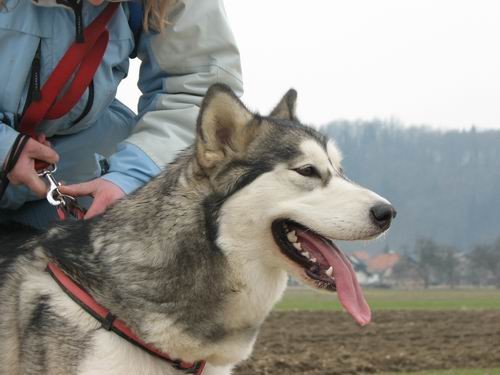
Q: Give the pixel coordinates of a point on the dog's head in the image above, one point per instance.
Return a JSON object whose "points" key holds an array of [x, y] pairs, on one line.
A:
{"points": [[280, 195]]}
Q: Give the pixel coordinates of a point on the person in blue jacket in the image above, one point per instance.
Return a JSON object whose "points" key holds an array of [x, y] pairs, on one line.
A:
{"points": [[184, 47]]}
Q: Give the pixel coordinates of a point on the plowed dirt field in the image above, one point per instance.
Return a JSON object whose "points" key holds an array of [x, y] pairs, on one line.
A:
{"points": [[322, 343]]}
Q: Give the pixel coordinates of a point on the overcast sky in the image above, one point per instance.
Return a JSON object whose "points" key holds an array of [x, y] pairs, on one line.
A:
{"points": [[434, 62]]}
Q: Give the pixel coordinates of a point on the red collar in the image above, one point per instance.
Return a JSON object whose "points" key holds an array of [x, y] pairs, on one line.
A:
{"points": [[112, 323]]}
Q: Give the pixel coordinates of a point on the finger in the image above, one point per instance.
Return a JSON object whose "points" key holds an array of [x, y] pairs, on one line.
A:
{"points": [[41, 138], [42, 152], [47, 143], [78, 190], [36, 185], [97, 207]]}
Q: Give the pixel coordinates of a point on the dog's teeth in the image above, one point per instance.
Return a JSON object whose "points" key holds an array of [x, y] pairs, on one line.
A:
{"points": [[297, 245], [291, 236], [313, 260], [306, 254], [329, 271]]}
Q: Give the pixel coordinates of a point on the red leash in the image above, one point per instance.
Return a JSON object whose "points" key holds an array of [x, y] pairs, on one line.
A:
{"points": [[82, 61]]}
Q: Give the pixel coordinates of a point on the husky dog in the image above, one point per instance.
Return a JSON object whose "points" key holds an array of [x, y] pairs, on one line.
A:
{"points": [[195, 260]]}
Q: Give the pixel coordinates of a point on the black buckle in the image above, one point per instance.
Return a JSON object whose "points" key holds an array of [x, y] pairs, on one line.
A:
{"points": [[107, 323]]}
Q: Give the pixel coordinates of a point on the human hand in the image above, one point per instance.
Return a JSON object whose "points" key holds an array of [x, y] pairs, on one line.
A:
{"points": [[104, 192], [24, 172]]}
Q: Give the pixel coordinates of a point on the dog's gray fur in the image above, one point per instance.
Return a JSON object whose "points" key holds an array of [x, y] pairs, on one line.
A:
{"points": [[154, 256]]}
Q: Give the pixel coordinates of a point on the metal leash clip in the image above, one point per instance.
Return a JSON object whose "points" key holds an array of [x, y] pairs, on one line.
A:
{"points": [[65, 204], [54, 196]]}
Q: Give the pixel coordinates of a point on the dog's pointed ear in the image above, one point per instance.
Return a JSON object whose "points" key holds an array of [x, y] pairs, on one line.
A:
{"points": [[225, 127], [286, 107]]}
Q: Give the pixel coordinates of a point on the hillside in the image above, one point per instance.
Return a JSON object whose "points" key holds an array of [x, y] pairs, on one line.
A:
{"points": [[444, 185]]}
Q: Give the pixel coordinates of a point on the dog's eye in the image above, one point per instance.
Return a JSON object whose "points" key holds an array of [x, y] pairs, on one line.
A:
{"points": [[307, 171]]}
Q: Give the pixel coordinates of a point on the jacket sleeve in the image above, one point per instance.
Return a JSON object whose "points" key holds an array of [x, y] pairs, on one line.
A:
{"points": [[196, 50], [7, 136]]}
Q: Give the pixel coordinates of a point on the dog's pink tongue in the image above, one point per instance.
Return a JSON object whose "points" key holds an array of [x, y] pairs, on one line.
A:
{"points": [[348, 289]]}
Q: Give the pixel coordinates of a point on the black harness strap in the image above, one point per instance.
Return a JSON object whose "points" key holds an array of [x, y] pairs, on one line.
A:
{"points": [[14, 154]]}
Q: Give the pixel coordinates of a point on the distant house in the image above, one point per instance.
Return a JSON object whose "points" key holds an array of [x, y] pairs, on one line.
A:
{"points": [[381, 270], [361, 255], [382, 265], [359, 263]]}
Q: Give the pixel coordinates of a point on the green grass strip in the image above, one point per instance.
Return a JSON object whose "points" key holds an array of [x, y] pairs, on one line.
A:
{"points": [[492, 371], [388, 299]]}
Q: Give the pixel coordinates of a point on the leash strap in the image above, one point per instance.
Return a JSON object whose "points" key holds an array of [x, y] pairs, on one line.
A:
{"points": [[111, 323], [14, 154], [82, 60]]}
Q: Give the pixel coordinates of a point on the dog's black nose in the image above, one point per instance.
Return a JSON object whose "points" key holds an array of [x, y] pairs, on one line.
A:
{"points": [[382, 214]]}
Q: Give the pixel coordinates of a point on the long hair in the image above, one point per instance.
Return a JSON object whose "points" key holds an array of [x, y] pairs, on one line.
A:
{"points": [[155, 13]]}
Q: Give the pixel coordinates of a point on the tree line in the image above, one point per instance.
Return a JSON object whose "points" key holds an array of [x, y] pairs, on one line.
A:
{"points": [[434, 264], [445, 185]]}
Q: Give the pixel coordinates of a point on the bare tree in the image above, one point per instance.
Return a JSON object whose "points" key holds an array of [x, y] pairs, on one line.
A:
{"points": [[450, 266], [484, 261], [429, 260]]}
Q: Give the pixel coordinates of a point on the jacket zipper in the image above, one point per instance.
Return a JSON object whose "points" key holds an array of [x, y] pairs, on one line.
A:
{"points": [[34, 94], [35, 74], [77, 6]]}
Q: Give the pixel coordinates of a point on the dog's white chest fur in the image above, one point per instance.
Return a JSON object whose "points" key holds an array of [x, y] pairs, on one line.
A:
{"points": [[112, 355]]}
